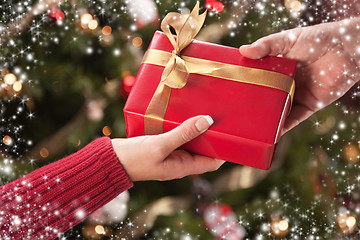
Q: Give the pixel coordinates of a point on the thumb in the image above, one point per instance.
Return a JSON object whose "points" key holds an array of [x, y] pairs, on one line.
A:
{"points": [[184, 133], [273, 45]]}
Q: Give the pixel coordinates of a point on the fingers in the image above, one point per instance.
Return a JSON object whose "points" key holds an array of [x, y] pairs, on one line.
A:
{"points": [[270, 45], [184, 133], [275, 44], [181, 163], [255, 51]]}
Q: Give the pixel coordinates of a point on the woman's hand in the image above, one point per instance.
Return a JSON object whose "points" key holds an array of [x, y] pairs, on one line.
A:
{"points": [[328, 63], [156, 158]]}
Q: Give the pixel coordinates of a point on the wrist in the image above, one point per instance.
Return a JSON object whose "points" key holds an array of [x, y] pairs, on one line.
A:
{"points": [[130, 156], [117, 146], [116, 142]]}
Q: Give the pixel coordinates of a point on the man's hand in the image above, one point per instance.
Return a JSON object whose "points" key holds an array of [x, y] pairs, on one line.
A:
{"points": [[327, 65]]}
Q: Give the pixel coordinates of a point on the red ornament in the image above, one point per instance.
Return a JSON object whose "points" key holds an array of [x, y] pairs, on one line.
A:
{"points": [[214, 5], [57, 14], [53, 12], [209, 3], [218, 6], [60, 16], [128, 83], [126, 86]]}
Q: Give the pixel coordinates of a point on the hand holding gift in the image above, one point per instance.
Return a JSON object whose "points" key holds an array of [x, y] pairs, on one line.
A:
{"points": [[328, 57], [156, 158]]}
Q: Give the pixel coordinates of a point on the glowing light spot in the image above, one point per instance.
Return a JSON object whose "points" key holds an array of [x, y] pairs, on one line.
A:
{"points": [[351, 153], [80, 213], [350, 222], [99, 229], [293, 5], [17, 220], [85, 19], [117, 52], [10, 78], [296, 6], [137, 42], [17, 86], [7, 140], [93, 24], [283, 225], [279, 227], [44, 152], [89, 50], [7, 170], [292, 36], [106, 30], [346, 223], [319, 104], [106, 131]]}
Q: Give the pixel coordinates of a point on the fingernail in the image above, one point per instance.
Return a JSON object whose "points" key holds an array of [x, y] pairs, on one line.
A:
{"points": [[244, 46], [204, 123], [220, 162]]}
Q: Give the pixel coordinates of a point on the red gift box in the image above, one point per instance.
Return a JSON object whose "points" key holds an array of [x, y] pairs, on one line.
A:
{"points": [[248, 117]]}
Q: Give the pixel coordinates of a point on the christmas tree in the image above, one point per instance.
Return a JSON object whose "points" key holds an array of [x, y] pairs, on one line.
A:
{"points": [[67, 67]]}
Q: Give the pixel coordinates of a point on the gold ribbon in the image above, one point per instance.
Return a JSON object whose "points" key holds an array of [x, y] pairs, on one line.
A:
{"points": [[177, 68]]}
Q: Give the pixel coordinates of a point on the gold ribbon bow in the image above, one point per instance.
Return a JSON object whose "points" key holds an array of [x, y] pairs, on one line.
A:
{"points": [[176, 73], [178, 68]]}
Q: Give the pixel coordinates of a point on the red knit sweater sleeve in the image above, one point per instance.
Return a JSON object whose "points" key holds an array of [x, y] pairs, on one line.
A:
{"points": [[52, 199]]}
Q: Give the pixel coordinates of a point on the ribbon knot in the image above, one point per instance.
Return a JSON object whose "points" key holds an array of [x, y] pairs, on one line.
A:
{"points": [[176, 73]]}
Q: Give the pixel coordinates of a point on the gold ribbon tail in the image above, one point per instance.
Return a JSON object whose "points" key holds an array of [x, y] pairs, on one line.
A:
{"points": [[155, 113]]}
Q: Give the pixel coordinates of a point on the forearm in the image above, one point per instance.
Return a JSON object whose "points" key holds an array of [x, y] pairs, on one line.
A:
{"points": [[344, 39], [56, 197], [341, 9], [318, 11]]}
